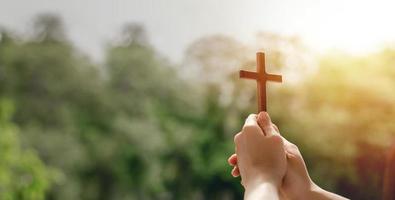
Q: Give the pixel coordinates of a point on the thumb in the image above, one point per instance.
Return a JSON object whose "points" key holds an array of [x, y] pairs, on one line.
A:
{"points": [[265, 123]]}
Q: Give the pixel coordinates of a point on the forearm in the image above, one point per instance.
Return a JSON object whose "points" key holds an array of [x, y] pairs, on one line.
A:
{"points": [[264, 190], [320, 194]]}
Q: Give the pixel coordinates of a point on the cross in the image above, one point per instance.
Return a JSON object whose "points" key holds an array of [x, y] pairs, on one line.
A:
{"points": [[261, 77]]}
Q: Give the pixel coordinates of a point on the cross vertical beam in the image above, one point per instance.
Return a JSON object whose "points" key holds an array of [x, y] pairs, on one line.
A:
{"points": [[261, 78], [261, 81]]}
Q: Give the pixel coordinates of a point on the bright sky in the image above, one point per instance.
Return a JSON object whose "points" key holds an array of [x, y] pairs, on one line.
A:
{"points": [[354, 26]]}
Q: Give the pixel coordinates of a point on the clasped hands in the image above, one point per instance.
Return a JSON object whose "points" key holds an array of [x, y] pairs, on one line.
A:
{"points": [[270, 166]]}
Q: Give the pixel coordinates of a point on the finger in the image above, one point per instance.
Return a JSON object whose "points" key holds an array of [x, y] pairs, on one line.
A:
{"points": [[286, 142], [251, 126], [236, 138], [276, 128], [235, 171], [290, 147], [251, 120], [265, 123], [232, 160]]}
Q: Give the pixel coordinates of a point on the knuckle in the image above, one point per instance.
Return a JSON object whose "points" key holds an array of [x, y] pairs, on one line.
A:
{"points": [[275, 127], [277, 139], [237, 138], [252, 116], [293, 147]]}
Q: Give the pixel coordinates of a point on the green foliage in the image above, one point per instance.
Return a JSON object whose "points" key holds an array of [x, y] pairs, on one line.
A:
{"points": [[139, 127], [22, 174]]}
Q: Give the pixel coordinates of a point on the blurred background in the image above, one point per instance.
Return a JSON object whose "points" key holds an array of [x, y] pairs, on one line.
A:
{"points": [[141, 99]]}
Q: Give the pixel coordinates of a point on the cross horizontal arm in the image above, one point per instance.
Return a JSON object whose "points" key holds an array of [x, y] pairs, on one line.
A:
{"points": [[275, 78], [248, 74]]}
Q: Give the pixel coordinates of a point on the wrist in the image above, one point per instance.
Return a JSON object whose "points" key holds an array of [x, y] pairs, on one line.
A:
{"points": [[260, 189], [321, 194], [258, 179], [314, 192], [309, 191]]}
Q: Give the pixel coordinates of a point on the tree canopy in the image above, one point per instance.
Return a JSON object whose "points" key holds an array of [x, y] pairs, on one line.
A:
{"points": [[140, 127]]}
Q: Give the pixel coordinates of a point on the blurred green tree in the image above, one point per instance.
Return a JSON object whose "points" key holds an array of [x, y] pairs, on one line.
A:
{"points": [[22, 174], [140, 127]]}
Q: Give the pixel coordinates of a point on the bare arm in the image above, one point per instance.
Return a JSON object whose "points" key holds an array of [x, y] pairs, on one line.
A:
{"points": [[296, 183], [320, 194], [261, 161], [264, 190]]}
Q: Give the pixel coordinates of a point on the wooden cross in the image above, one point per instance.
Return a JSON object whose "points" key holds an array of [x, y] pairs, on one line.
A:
{"points": [[261, 77]]}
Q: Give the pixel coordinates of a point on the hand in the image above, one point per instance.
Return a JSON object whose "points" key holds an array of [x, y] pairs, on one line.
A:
{"points": [[297, 183], [261, 157]]}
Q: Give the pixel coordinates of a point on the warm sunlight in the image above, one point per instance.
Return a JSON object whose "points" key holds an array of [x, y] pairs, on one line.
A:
{"points": [[148, 99], [353, 26]]}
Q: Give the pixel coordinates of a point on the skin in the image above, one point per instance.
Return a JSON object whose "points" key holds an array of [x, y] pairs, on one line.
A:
{"points": [[261, 175], [295, 183]]}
